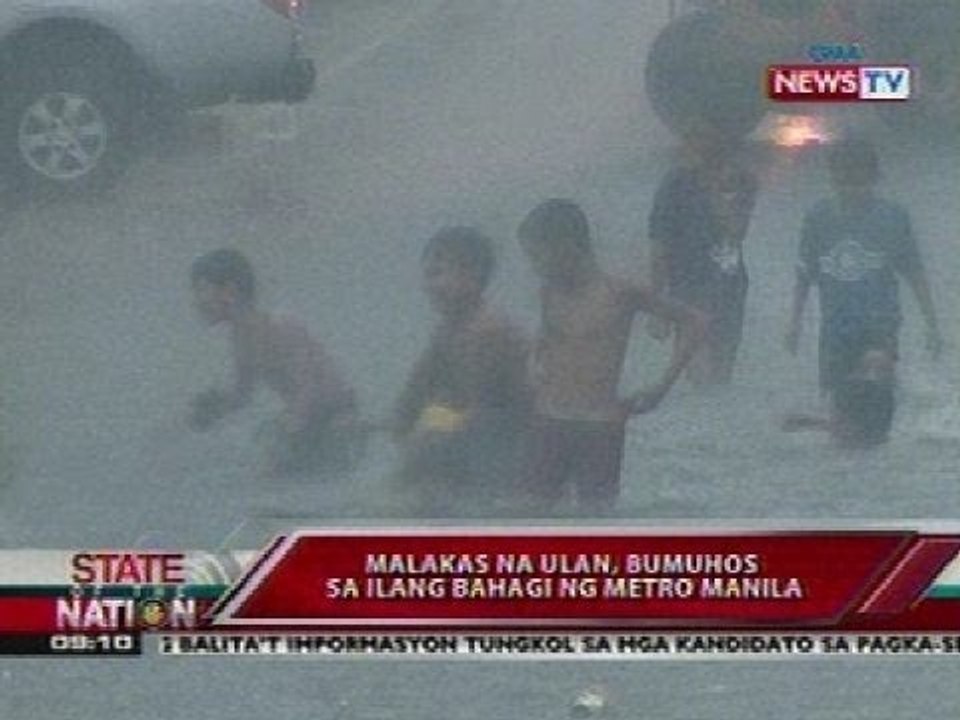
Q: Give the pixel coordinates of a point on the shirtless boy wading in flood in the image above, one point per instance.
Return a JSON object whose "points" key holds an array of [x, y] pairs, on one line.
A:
{"points": [[586, 321], [313, 433]]}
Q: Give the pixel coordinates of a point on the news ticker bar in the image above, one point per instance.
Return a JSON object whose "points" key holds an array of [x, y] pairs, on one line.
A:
{"points": [[566, 645], [534, 646]]}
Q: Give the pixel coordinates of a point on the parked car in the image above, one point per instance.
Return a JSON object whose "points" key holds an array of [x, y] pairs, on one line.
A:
{"points": [[82, 80]]}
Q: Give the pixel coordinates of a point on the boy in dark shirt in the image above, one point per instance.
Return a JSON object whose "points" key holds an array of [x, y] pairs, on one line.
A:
{"points": [[697, 226], [463, 410], [854, 246]]}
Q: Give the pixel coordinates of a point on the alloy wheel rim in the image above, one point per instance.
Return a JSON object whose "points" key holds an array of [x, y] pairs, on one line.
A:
{"points": [[62, 135]]}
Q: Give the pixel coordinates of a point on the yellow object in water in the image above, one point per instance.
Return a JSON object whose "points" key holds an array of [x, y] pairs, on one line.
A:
{"points": [[441, 418]]}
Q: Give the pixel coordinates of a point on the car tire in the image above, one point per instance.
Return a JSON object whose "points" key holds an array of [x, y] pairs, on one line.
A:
{"points": [[934, 109], [696, 77], [66, 127], [923, 35]]}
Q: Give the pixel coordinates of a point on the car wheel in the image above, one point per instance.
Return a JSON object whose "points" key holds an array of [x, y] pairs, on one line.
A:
{"points": [[66, 128], [923, 35], [696, 76], [934, 108]]}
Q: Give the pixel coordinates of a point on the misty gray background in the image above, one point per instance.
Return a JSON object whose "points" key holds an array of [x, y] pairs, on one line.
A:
{"points": [[431, 112]]}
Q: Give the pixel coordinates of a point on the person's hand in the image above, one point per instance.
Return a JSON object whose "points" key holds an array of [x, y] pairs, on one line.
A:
{"points": [[421, 442], [205, 409], [791, 340], [276, 448], [797, 422], [934, 342], [658, 328], [642, 401]]}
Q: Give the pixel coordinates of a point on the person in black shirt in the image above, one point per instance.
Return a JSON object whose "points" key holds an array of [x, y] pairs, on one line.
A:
{"points": [[699, 220]]}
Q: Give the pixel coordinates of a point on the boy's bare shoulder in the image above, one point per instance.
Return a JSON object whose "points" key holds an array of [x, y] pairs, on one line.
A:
{"points": [[495, 326], [625, 290], [290, 332]]}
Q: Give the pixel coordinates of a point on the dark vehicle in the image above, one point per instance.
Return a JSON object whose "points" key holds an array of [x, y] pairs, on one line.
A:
{"points": [[706, 66]]}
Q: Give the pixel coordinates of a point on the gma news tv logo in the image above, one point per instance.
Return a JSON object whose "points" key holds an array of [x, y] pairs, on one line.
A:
{"points": [[838, 83]]}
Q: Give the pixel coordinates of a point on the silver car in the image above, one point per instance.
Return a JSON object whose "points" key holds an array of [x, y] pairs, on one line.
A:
{"points": [[81, 80]]}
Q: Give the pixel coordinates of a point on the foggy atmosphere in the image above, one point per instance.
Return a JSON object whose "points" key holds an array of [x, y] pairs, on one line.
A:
{"points": [[427, 114]]}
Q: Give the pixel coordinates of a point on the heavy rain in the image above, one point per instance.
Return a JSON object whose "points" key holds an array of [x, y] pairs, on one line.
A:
{"points": [[428, 114]]}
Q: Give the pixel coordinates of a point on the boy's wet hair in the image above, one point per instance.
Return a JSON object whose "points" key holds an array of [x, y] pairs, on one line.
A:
{"points": [[854, 159], [226, 267], [466, 247], [557, 220]]}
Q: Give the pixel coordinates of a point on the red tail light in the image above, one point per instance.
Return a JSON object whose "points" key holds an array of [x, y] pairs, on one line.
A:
{"points": [[292, 9]]}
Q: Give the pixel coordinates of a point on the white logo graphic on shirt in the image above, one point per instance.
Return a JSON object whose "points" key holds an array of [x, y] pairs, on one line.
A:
{"points": [[849, 261], [727, 257]]}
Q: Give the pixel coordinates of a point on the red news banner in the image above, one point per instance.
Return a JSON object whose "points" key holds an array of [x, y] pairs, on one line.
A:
{"points": [[597, 579]]}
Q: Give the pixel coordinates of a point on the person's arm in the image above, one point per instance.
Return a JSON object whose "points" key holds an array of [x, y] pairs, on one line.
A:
{"points": [[658, 282], [659, 272], [751, 189], [691, 327], [799, 422], [917, 280], [304, 375], [212, 405], [414, 396], [913, 271], [806, 272], [534, 367], [801, 289], [513, 360], [661, 227], [244, 381], [911, 267]]}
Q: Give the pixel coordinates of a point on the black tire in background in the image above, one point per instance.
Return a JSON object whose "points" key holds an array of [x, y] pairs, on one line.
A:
{"points": [[67, 121], [926, 35], [698, 76]]}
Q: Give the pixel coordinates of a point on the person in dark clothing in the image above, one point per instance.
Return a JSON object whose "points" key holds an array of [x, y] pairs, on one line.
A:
{"points": [[697, 226]]}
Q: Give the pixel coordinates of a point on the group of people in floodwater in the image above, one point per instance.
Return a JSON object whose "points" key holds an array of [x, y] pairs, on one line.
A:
{"points": [[487, 416]]}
